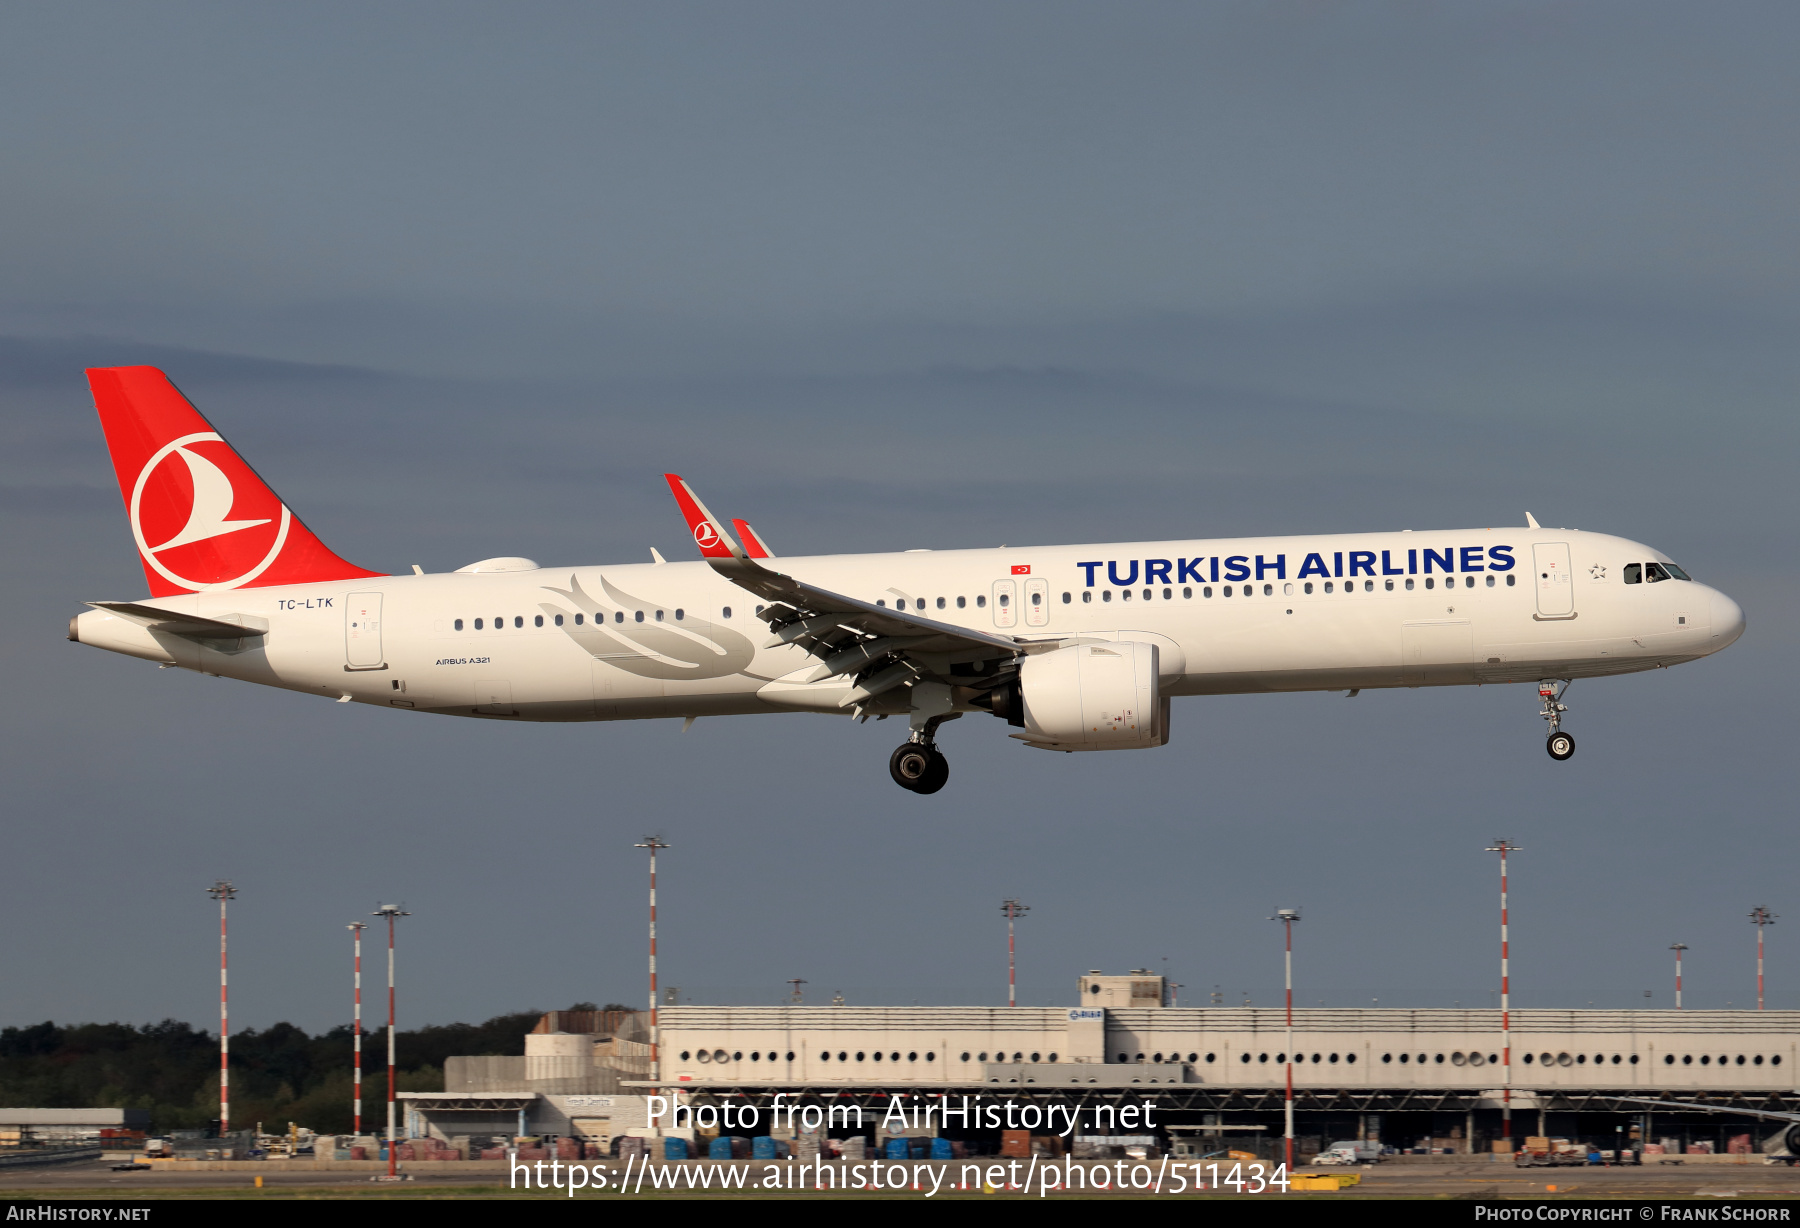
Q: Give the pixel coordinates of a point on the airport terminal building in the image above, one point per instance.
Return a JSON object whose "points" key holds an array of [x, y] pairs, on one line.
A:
{"points": [[1416, 1079]]}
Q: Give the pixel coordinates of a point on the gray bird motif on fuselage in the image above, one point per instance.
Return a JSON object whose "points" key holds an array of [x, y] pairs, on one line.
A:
{"points": [[689, 648]]}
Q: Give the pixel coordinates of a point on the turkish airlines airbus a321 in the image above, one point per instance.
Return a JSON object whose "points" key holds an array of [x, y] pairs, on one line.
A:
{"points": [[1075, 647]]}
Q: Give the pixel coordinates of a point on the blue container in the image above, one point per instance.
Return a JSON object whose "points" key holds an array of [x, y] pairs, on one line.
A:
{"points": [[762, 1147], [675, 1149], [941, 1149], [897, 1149], [719, 1148]]}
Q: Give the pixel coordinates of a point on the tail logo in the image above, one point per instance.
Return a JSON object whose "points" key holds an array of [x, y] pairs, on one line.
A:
{"points": [[705, 536], [192, 502]]}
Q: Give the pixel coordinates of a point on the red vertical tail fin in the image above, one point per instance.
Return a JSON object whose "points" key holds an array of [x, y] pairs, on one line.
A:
{"points": [[202, 518]]}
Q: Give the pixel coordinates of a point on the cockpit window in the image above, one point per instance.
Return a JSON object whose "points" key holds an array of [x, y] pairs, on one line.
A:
{"points": [[1634, 573], [1653, 572], [1678, 573]]}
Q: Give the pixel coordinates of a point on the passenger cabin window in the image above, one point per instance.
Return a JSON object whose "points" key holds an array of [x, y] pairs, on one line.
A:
{"points": [[1634, 573], [519, 620], [578, 619], [538, 621], [478, 624], [459, 624], [559, 620], [980, 602], [962, 602]]}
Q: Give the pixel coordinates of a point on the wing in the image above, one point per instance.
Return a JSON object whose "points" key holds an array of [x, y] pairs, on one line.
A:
{"points": [[881, 648]]}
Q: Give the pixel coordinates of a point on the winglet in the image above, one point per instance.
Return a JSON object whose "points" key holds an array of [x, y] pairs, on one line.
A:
{"points": [[709, 534], [1531, 521], [754, 545]]}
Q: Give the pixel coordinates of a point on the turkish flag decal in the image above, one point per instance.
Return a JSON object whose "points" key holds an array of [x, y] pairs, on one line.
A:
{"points": [[1022, 569]]}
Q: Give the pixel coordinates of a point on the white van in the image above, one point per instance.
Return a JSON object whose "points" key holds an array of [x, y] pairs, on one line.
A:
{"points": [[1349, 1151]]}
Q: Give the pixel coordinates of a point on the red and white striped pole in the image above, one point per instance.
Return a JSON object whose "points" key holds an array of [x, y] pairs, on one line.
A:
{"points": [[653, 843], [223, 891], [1287, 917], [391, 912], [1760, 917], [1013, 910], [356, 928], [1678, 948], [1502, 847]]}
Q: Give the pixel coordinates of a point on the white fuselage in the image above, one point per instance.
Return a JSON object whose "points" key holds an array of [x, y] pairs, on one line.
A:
{"points": [[676, 639]]}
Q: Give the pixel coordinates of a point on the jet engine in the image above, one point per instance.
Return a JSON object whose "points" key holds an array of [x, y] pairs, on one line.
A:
{"points": [[1091, 696]]}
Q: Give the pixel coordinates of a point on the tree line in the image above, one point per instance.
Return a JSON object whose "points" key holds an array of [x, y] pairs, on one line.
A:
{"points": [[278, 1074]]}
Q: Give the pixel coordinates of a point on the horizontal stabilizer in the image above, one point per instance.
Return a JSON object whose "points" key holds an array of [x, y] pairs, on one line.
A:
{"points": [[189, 626]]}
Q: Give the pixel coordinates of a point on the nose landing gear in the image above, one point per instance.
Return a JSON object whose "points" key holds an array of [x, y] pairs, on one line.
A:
{"points": [[1560, 745]]}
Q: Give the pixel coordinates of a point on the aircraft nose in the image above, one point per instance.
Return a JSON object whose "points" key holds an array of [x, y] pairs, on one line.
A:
{"points": [[1727, 620]]}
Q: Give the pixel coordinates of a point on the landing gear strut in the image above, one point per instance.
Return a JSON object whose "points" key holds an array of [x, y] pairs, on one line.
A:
{"points": [[1560, 745], [918, 764]]}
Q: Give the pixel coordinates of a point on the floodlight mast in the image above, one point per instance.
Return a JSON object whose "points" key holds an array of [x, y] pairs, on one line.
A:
{"points": [[392, 912], [1760, 917], [1503, 847], [653, 843], [223, 891], [1013, 910], [1287, 917]]}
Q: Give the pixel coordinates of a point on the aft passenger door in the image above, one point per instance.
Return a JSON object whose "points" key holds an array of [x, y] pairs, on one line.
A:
{"points": [[362, 632], [1555, 580]]}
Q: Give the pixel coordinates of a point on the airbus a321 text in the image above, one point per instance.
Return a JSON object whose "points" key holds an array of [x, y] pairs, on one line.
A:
{"points": [[1074, 647]]}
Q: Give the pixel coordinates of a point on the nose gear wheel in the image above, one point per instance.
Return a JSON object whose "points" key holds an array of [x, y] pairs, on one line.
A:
{"points": [[1560, 745]]}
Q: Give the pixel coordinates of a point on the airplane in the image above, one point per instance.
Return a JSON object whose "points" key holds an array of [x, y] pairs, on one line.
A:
{"points": [[1076, 648]]}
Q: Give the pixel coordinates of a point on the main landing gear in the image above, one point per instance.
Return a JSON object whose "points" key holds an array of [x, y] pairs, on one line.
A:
{"points": [[1560, 745], [919, 766]]}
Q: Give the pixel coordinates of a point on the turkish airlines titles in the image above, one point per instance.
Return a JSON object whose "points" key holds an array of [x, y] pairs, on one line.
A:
{"points": [[1211, 570]]}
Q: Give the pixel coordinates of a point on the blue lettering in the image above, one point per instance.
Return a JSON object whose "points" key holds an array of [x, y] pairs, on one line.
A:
{"points": [[1237, 567], [1412, 562], [1471, 559], [1090, 572], [328, 603], [1215, 569], [1112, 573], [1156, 571], [1337, 563], [1279, 567], [1362, 562], [1190, 570], [1387, 568], [1314, 566], [1446, 560], [1500, 558]]}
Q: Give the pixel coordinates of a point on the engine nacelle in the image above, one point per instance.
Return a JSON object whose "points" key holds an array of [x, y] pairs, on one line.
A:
{"points": [[1093, 697]]}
